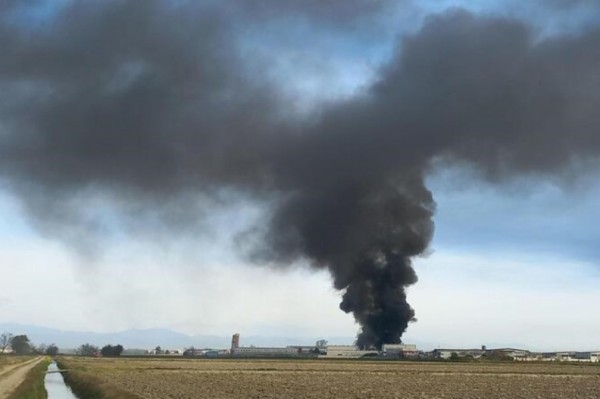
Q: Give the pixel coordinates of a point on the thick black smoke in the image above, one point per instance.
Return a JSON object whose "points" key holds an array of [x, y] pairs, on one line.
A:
{"points": [[158, 106]]}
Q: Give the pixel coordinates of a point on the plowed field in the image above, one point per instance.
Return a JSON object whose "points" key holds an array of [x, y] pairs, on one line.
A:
{"points": [[219, 379]]}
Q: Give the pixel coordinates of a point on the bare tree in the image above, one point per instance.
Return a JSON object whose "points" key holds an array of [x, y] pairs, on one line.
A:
{"points": [[88, 350], [5, 339]]}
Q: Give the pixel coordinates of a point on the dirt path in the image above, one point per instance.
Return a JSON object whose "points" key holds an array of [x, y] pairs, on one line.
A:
{"points": [[12, 376]]}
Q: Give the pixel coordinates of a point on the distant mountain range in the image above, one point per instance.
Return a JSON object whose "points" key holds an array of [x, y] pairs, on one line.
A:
{"points": [[150, 338], [169, 339]]}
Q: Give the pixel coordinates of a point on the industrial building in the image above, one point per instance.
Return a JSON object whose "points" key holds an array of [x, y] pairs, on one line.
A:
{"points": [[592, 357], [322, 349], [513, 353], [400, 350], [450, 353], [236, 350], [347, 352], [193, 352], [264, 351]]}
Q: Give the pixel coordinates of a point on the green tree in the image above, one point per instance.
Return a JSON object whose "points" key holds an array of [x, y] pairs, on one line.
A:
{"points": [[117, 350], [109, 350], [20, 344], [106, 350], [52, 350]]}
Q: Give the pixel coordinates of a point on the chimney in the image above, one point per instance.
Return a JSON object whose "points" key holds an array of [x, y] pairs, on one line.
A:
{"points": [[235, 342]]}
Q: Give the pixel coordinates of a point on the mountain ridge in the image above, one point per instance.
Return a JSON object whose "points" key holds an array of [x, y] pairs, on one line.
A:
{"points": [[150, 338]]}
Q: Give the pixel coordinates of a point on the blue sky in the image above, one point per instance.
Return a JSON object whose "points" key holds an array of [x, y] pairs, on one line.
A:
{"points": [[510, 264], [546, 217]]}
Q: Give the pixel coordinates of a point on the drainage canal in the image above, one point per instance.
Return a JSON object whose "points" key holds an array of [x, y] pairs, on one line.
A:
{"points": [[55, 384]]}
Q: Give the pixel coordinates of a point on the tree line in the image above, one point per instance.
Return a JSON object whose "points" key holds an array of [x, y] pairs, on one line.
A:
{"points": [[21, 345], [106, 351]]}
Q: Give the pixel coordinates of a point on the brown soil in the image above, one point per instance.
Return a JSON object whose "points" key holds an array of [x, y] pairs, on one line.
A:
{"points": [[218, 379]]}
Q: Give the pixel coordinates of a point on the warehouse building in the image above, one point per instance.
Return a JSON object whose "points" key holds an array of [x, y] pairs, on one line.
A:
{"points": [[347, 352], [237, 350], [461, 353], [400, 350], [264, 351]]}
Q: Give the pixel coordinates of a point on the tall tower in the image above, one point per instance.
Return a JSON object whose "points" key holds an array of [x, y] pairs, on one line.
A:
{"points": [[235, 342]]}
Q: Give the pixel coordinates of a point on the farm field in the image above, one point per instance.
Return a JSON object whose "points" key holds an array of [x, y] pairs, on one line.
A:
{"points": [[215, 378]]}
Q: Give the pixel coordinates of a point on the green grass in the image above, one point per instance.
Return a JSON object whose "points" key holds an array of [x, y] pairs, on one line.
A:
{"points": [[33, 385]]}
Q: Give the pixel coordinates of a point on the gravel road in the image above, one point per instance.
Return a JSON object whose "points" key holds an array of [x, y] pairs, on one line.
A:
{"points": [[11, 376]]}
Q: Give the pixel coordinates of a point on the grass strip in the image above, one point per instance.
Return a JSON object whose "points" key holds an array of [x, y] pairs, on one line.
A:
{"points": [[85, 384], [33, 385]]}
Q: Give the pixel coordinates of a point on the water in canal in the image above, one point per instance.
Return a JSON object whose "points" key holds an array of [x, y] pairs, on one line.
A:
{"points": [[55, 385]]}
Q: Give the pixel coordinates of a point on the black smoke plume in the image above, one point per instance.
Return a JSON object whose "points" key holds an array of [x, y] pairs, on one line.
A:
{"points": [[158, 108]]}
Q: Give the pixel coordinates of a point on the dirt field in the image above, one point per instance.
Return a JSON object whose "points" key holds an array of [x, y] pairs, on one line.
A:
{"points": [[341, 379]]}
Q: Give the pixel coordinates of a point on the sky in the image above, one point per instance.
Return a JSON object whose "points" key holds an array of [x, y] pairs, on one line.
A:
{"points": [[145, 241]]}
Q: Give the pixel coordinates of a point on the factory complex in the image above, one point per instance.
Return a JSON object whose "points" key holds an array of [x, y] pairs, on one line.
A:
{"points": [[522, 355], [322, 349]]}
